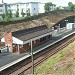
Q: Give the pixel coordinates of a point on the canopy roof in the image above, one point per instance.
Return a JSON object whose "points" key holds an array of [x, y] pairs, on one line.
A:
{"points": [[22, 36]]}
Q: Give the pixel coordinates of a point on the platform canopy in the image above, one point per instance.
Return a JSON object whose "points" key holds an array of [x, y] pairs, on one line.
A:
{"points": [[25, 36], [14, 40]]}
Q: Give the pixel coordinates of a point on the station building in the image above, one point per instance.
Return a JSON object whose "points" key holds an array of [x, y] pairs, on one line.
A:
{"points": [[20, 41]]}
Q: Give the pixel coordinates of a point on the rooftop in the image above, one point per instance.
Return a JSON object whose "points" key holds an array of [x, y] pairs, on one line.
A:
{"points": [[30, 33]]}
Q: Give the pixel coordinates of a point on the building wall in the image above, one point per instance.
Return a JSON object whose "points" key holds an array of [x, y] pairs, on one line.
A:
{"points": [[41, 7], [35, 8], [28, 45], [3, 9], [8, 42], [22, 6], [35, 43], [10, 47], [52, 8], [13, 8]]}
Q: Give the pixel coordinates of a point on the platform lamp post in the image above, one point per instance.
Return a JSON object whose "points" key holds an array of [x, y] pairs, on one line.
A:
{"points": [[74, 23], [66, 22], [58, 28], [32, 57]]}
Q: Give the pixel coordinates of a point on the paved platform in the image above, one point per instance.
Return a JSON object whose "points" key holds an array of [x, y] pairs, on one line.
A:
{"points": [[7, 58]]}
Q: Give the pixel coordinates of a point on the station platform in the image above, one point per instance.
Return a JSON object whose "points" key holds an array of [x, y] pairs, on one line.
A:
{"points": [[9, 59]]}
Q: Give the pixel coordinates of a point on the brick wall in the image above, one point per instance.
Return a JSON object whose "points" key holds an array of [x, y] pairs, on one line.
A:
{"points": [[35, 43], [8, 42]]}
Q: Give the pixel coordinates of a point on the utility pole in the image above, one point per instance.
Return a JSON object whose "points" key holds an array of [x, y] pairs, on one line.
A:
{"points": [[58, 29], [32, 58], [66, 23], [73, 26]]}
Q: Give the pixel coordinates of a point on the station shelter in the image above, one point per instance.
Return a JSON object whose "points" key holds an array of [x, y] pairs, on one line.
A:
{"points": [[20, 41]]}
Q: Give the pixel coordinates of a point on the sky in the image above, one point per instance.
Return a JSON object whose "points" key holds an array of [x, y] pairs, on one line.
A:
{"points": [[57, 2]]}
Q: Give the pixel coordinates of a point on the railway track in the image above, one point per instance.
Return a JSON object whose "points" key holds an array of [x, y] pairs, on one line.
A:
{"points": [[25, 66], [48, 53]]}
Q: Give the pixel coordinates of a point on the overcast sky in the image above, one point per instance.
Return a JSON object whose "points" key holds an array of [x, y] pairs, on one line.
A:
{"points": [[57, 2]]}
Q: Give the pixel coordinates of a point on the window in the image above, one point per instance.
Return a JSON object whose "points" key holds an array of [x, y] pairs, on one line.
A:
{"points": [[42, 39], [17, 5], [34, 8]]}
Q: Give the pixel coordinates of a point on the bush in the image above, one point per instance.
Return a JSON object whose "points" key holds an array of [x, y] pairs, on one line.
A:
{"points": [[17, 14], [3, 16]]}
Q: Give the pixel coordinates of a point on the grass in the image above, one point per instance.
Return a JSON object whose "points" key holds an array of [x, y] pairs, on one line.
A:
{"points": [[49, 66]]}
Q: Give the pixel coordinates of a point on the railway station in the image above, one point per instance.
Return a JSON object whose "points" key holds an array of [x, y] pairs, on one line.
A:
{"points": [[20, 41], [32, 32], [41, 36], [19, 44]]}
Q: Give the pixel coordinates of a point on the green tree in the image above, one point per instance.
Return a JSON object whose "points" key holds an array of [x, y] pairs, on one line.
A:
{"points": [[17, 13], [70, 3], [10, 14], [71, 6], [47, 6], [7, 17], [3, 16], [22, 13], [57, 8], [28, 12], [6, 13]]}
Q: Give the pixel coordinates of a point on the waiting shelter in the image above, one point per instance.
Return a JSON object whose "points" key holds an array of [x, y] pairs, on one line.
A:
{"points": [[20, 41]]}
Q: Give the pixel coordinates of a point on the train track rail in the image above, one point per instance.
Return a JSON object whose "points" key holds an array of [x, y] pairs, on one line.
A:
{"points": [[25, 66], [48, 53]]}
